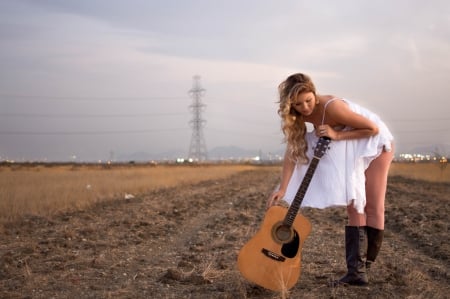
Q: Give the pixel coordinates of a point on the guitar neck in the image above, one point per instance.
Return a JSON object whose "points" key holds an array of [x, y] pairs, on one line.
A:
{"points": [[296, 203]]}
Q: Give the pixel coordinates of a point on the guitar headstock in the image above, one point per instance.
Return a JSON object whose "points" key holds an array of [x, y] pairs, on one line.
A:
{"points": [[322, 146]]}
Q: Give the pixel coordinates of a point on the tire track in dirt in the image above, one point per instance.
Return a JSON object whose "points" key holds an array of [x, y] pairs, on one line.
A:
{"points": [[207, 245]]}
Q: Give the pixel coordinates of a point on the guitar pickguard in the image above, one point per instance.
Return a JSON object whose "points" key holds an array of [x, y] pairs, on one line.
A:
{"points": [[290, 249]]}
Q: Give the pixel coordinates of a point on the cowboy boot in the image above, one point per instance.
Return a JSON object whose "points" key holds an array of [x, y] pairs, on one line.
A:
{"points": [[355, 237], [374, 240]]}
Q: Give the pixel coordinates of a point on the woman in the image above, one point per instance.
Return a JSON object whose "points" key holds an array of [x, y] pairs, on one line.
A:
{"points": [[352, 173]]}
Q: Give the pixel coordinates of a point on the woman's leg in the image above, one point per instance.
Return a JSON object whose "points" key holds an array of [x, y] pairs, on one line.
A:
{"points": [[355, 218], [369, 225], [376, 184]]}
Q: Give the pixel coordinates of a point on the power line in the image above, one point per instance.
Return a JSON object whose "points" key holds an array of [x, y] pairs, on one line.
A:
{"points": [[419, 119], [253, 134], [111, 132], [79, 115], [13, 97], [421, 131], [235, 132]]}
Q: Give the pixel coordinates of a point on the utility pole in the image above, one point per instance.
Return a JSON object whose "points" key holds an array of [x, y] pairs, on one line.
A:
{"points": [[197, 149]]}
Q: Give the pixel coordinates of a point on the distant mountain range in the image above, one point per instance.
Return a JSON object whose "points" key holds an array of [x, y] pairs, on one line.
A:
{"points": [[216, 153]]}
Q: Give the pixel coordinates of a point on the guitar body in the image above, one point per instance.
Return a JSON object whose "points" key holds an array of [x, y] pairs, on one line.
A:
{"points": [[273, 257], [270, 262]]}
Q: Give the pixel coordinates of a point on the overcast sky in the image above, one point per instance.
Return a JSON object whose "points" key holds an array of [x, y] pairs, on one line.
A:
{"points": [[102, 78]]}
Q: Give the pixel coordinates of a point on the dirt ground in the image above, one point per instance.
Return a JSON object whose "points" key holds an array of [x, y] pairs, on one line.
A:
{"points": [[183, 243]]}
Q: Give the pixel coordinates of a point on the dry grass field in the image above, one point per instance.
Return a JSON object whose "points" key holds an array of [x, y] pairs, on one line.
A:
{"points": [[432, 172], [70, 232], [47, 189]]}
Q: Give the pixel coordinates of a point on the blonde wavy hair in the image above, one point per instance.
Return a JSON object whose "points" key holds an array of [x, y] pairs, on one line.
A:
{"points": [[293, 124]]}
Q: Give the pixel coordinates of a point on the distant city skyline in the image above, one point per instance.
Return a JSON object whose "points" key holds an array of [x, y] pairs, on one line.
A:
{"points": [[92, 79]]}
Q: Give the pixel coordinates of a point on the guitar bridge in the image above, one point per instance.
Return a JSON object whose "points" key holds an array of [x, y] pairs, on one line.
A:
{"points": [[273, 255]]}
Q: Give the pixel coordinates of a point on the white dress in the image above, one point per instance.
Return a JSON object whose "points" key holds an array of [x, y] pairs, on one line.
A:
{"points": [[339, 178]]}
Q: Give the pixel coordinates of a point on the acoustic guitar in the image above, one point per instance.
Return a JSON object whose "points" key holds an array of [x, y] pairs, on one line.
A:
{"points": [[272, 258]]}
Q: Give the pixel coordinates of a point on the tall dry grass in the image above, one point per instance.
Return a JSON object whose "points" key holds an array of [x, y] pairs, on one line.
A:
{"points": [[43, 190], [432, 172]]}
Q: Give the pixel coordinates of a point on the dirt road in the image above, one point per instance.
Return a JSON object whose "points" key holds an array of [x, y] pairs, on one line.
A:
{"points": [[183, 243]]}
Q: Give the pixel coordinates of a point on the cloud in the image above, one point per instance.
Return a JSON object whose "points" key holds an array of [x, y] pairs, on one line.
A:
{"points": [[390, 59]]}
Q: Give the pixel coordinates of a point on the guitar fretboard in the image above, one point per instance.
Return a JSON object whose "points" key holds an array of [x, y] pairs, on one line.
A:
{"points": [[296, 203]]}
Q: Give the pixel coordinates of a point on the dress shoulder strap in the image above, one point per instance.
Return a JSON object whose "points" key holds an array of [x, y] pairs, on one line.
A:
{"points": [[325, 108]]}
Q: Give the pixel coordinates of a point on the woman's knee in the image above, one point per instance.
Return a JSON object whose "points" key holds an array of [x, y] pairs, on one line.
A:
{"points": [[355, 218]]}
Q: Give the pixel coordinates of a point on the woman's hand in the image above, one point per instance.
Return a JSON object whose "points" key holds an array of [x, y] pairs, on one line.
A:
{"points": [[326, 131], [275, 198]]}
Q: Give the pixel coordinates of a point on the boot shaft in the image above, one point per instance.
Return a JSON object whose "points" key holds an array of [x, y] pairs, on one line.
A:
{"points": [[355, 240], [374, 241]]}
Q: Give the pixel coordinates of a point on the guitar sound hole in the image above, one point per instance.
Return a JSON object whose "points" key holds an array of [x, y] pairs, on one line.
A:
{"points": [[283, 233]]}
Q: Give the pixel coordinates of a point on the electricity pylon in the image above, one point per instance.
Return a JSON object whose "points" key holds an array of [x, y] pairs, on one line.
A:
{"points": [[197, 149]]}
